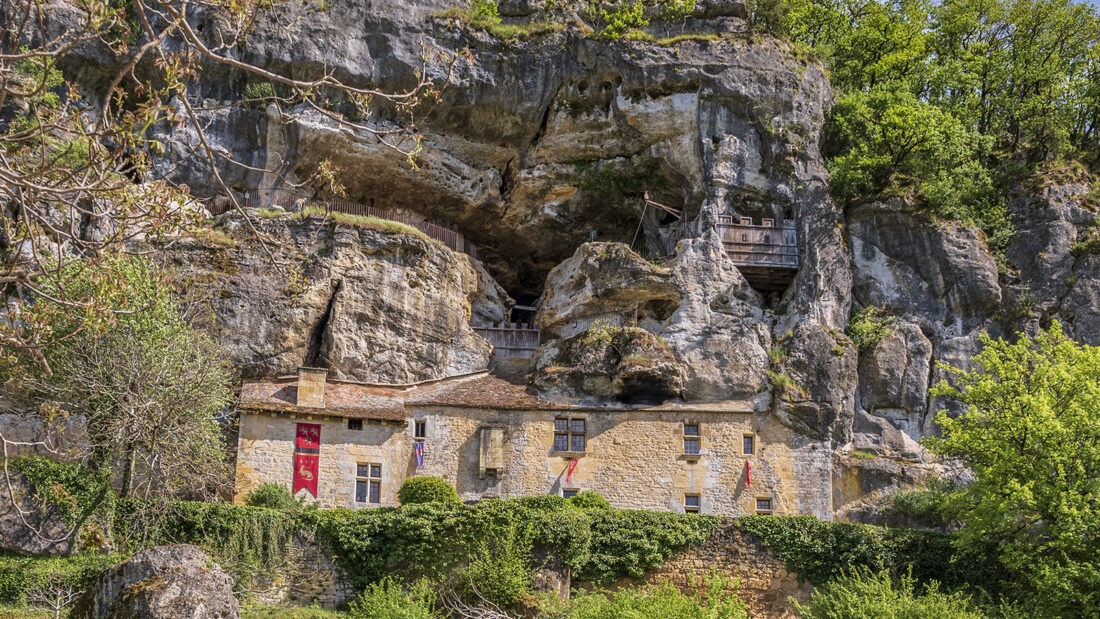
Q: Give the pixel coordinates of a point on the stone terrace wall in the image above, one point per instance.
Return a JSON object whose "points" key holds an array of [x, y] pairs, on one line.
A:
{"points": [[765, 583], [309, 576]]}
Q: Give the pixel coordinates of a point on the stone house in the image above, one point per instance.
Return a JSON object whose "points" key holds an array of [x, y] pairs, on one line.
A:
{"points": [[490, 438]]}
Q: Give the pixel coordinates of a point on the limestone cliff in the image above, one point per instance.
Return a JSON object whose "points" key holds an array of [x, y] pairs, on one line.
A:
{"points": [[540, 151], [373, 305]]}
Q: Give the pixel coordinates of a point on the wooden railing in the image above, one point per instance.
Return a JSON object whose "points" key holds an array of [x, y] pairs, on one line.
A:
{"points": [[765, 245], [290, 200], [511, 340]]}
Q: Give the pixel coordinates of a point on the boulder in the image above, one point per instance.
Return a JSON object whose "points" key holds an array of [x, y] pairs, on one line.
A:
{"points": [[164, 582]]}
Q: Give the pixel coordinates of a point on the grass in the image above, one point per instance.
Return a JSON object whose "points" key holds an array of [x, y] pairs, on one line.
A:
{"points": [[22, 612], [504, 32], [259, 611], [269, 213], [213, 236], [385, 226], [862, 454]]}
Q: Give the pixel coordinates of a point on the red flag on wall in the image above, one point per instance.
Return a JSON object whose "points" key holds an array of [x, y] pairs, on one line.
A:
{"points": [[748, 474], [572, 466], [307, 452]]}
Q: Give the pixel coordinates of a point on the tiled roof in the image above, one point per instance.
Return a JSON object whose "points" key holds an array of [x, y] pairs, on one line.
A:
{"points": [[482, 390], [341, 400]]}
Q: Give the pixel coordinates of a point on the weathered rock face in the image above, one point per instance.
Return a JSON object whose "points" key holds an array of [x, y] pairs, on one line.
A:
{"points": [[894, 376], [696, 301], [539, 142], [163, 582], [370, 305], [626, 364], [1053, 282]]}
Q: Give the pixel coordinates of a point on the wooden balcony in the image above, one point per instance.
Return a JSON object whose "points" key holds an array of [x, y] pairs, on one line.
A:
{"points": [[766, 254]]}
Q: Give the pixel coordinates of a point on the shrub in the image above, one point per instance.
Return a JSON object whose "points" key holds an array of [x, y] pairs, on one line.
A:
{"points": [[386, 599], [76, 492], [24, 578], [938, 503], [862, 593], [589, 499], [627, 543], [272, 496], [869, 326], [417, 490], [500, 572], [664, 601]]}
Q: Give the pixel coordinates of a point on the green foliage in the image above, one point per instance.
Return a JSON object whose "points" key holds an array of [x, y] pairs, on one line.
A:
{"points": [[500, 570], [387, 599], [272, 496], [938, 503], [484, 12], [627, 543], [819, 551], [263, 611], [1031, 435], [589, 499], [259, 93], [1089, 244], [622, 18], [869, 326], [718, 600], [890, 141], [247, 541], [27, 577], [862, 593], [76, 492], [949, 103], [426, 489], [149, 384]]}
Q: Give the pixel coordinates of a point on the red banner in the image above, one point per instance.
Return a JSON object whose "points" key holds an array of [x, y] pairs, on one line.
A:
{"points": [[307, 453], [572, 467], [748, 474]]}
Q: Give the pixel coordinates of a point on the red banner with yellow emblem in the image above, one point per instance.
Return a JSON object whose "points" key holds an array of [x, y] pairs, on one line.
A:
{"points": [[307, 453]]}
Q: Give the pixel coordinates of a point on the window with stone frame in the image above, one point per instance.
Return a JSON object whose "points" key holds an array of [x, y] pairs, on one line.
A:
{"points": [[764, 505], [569, 434], [748, 444], [420, 430], [568, 493], [355, 424], [692, 503], [692, 438], [368, 483]]}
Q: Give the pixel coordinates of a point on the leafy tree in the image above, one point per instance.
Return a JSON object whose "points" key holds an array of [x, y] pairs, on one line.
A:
{"points": [[148, 384], [1031, 436]]}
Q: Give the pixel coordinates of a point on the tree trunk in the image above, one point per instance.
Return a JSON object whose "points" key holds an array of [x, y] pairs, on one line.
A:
{"points": [[128, 473]]}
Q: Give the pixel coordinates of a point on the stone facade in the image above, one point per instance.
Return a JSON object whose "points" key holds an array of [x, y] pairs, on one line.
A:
{"points": [[635, 457]]}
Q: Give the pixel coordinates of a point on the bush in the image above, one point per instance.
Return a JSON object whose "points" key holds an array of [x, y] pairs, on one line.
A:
{"points": [[937, 504], [76, 492], [24, 578], [862, 593], [500, 573], [386, 599], [869, 326], [272, 496], [419, 490], [589, 499], [628, 543], [661, 602]]}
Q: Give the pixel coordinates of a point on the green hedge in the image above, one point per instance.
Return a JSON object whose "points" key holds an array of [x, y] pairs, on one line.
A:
{"points": [[21, 577], [427, 489], [821, 551]]}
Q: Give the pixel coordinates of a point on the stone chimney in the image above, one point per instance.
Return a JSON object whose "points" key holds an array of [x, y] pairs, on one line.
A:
{"points": [[311, 387]]}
